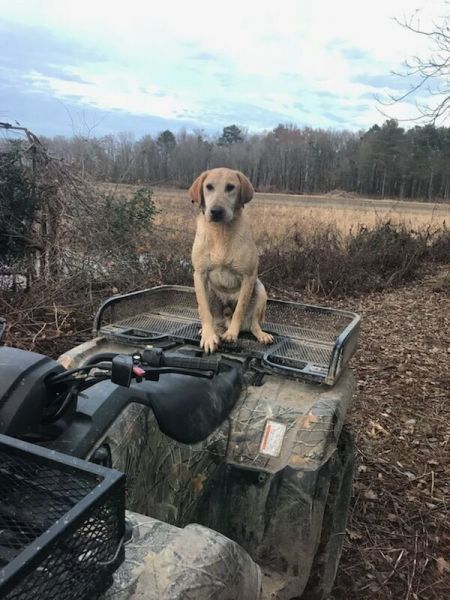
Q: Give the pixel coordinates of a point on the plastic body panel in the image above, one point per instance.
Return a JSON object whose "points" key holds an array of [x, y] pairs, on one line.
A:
{"points": [[272, 506]]}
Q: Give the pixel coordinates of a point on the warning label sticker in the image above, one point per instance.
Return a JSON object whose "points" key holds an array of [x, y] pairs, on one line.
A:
{"points": [[272, 439]]}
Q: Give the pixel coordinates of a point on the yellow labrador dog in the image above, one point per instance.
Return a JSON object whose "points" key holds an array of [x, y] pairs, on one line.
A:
{"points": [[230, 296]]}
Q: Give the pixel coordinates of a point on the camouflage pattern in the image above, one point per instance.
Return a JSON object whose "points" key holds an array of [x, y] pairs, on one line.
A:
{"points": [[194, 563], [165, 479], [313, 416], [272, 506]]}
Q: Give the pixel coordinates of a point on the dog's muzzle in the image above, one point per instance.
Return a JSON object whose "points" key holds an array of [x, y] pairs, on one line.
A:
{"points": [[217, 214]]}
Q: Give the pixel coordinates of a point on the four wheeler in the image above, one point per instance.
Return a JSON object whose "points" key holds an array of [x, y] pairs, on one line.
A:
{"points": [[238, 467]]}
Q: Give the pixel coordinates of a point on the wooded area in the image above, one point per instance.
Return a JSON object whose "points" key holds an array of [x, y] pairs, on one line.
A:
{"points": [[386, 161]]}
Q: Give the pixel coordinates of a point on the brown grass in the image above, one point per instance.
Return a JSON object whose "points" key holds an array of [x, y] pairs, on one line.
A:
{"points": [[279, 221], [276, 216], [329, 245]]}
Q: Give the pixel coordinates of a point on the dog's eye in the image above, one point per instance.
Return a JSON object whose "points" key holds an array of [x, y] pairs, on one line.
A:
{"points": [[209, 186], [229, 187]]}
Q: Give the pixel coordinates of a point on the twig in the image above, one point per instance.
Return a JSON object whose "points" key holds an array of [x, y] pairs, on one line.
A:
{"points": [[36, 335], [411, 579]]}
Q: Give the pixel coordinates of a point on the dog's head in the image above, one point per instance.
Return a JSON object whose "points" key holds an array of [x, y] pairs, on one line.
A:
{"points": [[221, 194]]}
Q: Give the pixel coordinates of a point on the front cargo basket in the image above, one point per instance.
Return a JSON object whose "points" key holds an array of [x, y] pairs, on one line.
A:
{"points": [[61, 524], [310, 342]]}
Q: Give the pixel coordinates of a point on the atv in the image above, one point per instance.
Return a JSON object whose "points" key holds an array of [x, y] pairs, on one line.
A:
{"points": [[238, 466]]}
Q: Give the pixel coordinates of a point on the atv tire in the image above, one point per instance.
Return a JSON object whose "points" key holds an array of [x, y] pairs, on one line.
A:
{"points": [[326, 559]]}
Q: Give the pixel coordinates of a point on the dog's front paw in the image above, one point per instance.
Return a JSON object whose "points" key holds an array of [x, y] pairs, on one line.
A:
{"points": [[209, 341], [264, 338], [230, 336]]}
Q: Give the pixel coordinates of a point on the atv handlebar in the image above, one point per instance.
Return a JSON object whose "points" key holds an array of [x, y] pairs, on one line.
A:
{"points": [[152, 363], [156, 358]]}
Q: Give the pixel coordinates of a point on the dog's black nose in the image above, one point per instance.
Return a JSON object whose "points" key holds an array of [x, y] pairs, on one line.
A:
{"points": [[217, 213]]}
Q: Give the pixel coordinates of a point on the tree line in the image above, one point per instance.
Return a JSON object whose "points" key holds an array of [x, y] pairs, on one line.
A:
{"points": [[386, 161]]}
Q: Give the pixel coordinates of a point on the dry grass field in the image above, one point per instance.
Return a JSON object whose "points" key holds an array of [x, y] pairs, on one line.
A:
{"points": [[275, 216]]}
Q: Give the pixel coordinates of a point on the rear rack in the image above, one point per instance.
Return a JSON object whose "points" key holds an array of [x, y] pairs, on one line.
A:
{"points": [[310, 342], [62, 524]]}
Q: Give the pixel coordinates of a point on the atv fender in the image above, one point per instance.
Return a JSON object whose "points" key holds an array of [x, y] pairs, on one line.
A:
{"points": [[163, 561]]}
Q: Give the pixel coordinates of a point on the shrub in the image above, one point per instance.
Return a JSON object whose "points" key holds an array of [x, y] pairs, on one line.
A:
{"points": [[326, 263], [440, 246], [106, 239], [122, 221], [18, 206]]}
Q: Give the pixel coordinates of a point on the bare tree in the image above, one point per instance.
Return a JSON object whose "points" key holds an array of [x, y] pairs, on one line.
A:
{"points": [[429, 74]]}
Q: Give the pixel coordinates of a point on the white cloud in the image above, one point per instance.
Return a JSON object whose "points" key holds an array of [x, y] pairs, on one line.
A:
{"points": [[173, 57], [112, 91]]}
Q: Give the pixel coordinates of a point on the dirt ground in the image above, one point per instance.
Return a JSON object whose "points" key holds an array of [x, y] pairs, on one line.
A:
{"points": [[398, 536]]}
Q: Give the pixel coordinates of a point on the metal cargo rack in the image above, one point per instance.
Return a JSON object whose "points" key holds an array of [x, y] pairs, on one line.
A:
{"points": [[62, 524], [310, 342]]}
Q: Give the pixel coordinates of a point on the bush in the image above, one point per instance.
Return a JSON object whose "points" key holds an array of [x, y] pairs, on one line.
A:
{"points": [[440, 246], [387, 249], [122, 221], [18, 205], [323, 262], [106, 243]]}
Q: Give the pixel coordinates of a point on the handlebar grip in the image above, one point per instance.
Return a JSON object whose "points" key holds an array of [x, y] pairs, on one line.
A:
{"points": [[210, 363], [156, 358]]}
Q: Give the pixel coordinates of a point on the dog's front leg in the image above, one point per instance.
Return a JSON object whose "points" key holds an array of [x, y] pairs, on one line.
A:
{"points": [[245, 293], [209, 340]]}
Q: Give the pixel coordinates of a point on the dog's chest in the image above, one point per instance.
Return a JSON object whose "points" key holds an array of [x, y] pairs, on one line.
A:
{"points": [[225, 279]]}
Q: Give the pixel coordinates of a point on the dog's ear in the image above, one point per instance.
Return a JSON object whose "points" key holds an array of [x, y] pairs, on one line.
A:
{"points": [[196, 190], [246, 190]]}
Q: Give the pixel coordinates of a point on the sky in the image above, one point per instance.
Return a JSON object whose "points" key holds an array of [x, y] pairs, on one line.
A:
{"points": [[96, 67]]}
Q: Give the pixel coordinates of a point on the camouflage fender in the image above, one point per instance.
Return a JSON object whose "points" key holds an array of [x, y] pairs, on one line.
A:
{"points": [[194, 563]]}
